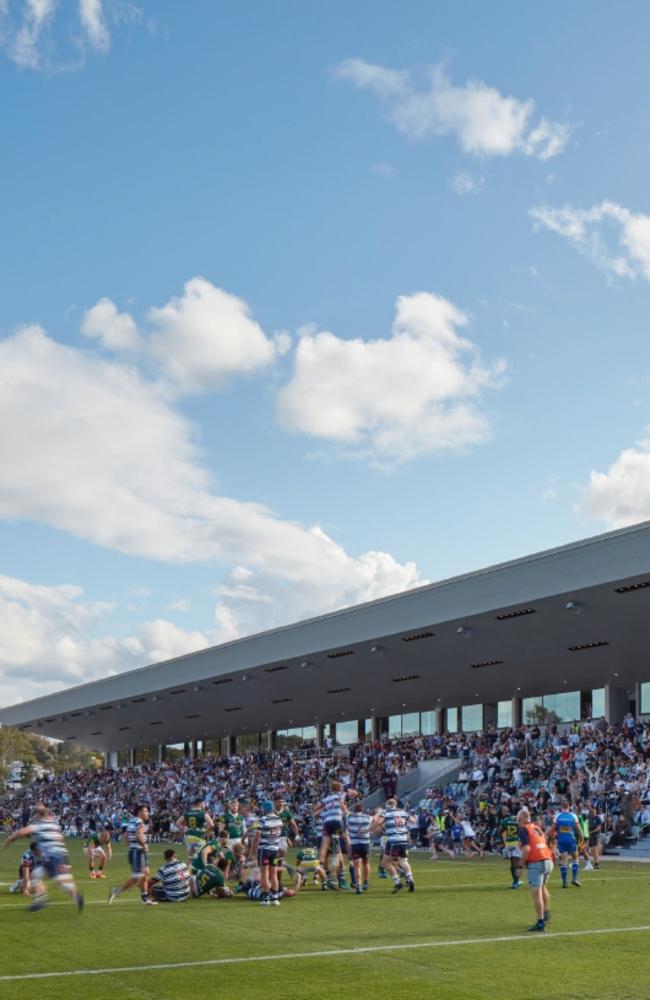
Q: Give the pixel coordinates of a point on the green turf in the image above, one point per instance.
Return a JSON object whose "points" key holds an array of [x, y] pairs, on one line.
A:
{"points": [[454, 901]]}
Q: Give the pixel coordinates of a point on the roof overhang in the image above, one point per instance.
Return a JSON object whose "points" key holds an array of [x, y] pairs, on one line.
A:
{"points": [[398, 654]]}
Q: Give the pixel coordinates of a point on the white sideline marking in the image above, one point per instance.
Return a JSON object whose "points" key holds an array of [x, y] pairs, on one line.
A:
{"points": [[330, 953]]}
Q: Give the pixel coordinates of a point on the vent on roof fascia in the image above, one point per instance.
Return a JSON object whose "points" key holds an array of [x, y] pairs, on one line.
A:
{"points": [[158, 722], [123, 729], [632, 586], [280, 701], [179, 691], [137, 701], [405, 677], [105, 708], [338, 690], [486, 663], [342, 652], [223, 680], [235, 708], [274, 670], [507, 615], [27, 725], [71, 737], [75, 715], [192, 716], [98, 733], [587, 645], [417, 635], [50, 720]]}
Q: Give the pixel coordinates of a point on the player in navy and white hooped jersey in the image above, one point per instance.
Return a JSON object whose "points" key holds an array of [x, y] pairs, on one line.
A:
{"points": [[46, 833], [30, 860], [266, 847], [358, 827], [394, 825], [171, 883], [137, 838], [331, 810]]}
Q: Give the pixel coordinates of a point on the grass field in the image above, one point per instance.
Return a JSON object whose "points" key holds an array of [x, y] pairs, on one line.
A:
{"points": [[461, 935]]}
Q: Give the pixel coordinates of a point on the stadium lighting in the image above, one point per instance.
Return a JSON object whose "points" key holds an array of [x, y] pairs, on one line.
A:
{"points": [[377, 650], [574, 607], [306, 665], [464, 631]]}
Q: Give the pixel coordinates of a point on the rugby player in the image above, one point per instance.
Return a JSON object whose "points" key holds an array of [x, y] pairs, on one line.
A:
{"points": [[536, 856], [197, 827], [393, 823], [359, 835], [98, 848], [233, 823], [266, 848], [137, 839], [308, 864], [171, 883], [511, 847], [568, 837], [25, 883], [332, 810], [209, 879], [46, 833]]}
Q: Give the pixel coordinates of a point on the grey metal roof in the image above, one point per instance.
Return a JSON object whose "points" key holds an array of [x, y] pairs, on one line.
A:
{"points": [[204, 693]]}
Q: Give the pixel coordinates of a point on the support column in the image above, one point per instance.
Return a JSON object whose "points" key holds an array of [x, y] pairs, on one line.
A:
{"points": [[490, 715], [160, 755], [516, 712], [110, 759], [375, 728], [320, 735], [616, 700], [232, 745], [268, 740], [195, 748], [361, 730], [131, 756], [440, 721]]}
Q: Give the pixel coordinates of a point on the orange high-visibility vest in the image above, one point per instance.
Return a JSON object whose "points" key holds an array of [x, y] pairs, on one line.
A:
{"points": [[538, 848]]}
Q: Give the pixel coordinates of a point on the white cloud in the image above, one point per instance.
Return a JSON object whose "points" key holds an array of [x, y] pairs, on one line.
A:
{"points": [[614, 238], [621, 495], [463, 183], [24, 43], [98, 451], [92, 18], [484, 121], [417, 392], [181, 604], [116, 331], [383, 168]]}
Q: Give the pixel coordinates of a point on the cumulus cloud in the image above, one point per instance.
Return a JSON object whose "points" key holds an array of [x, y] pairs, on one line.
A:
{"points": [[417, 392], [615, 239], [55, 35], [621, 495], [198, 339], [484, 122], [464, 183], [99, 451]]}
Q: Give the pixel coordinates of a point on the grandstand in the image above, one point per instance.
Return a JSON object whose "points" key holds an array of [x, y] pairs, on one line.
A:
{"points": [[562, 629]]}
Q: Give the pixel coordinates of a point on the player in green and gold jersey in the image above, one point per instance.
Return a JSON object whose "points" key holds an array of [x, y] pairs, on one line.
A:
{"points": [[511, 846], [233, 823], [197, 827], [98, 849]]}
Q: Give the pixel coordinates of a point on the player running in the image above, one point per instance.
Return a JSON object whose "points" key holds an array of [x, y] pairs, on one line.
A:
{"points": [[138, 840], [54, 862], [197, 827], [511, 847], [359, 835], [393, 823], [98, 848], [568, 836], [536, 856]]}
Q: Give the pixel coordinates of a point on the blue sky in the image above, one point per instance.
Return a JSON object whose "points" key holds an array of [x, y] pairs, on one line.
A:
{"points": [[381, 273]]}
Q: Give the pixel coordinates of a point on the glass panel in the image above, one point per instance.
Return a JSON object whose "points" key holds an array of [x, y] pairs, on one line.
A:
{"points": [[174, 751], [212, 747], [645, 697], [428, 723], [248, 742], [394, 726], [452, 720], [347, 732], [472, 718], [309, 734], [145, 755], [122, 758], [411, 724], [597, 703], [504, 714], [565, 707], [368, 729], [532, 710]]}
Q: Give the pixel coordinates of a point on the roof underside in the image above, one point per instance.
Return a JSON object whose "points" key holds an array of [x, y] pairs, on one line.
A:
{"points": [[399, 654]]}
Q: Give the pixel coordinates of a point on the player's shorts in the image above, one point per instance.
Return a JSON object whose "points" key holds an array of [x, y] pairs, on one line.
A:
{"points": [[52, 866], [92, 852], [267, 857], [206, 880], [594, 839], [319, 843], [396, 850], [283, 844], [137, 861], [538, 873], [332, 828], [511, 851], [567, 845], [359, 852]]}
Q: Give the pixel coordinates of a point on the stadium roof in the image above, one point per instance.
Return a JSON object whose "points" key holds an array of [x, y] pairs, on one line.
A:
{"points": [[574, 617]]}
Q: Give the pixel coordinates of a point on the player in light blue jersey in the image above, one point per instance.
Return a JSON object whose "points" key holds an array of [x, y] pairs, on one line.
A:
{"points": [[568, 838]]}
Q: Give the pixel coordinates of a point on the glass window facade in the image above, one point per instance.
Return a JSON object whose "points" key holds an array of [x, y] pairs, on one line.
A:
{"points": [[451, 720], [428, 723], [645, 697], [394, 726], [565, 707], [504, 714], [471, 718], [597, 703], [248, 742], [368, 729], [347, 732], [411, 724]]}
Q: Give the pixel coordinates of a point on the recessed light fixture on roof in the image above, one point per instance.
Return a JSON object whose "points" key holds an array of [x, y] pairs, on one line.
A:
{"points": [[587, 645], [223, 680], [123, 729], [193, 716], [415, 636], [137, 701], [280, 701], [338, 690], [158, 722], [486, 663], [98, 733], [103, 708], [405, 677], [274, 670], [306, 665], [464, 631], [629, 587], [575, 607], [515, 614], [179, 691], [71, 737], [235, 708], [75, 715], [377, 650], [342, 652]]}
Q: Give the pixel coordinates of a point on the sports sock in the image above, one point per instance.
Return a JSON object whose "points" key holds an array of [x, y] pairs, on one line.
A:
{"points": [[563, 872], [575, 869]]}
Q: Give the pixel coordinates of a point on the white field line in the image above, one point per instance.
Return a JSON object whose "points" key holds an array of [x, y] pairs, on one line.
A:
{"points": [[330, 953]]}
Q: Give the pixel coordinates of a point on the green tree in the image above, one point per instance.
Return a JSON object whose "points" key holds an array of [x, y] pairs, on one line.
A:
{"points": [[14, 746], [541, 716]]}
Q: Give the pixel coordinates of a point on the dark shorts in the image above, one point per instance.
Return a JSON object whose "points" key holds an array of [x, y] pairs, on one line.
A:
{"points": [[360, 851], [594, 839], [268, 858], [332, 828], [396, 850], [55, 865], [137, 861]]}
